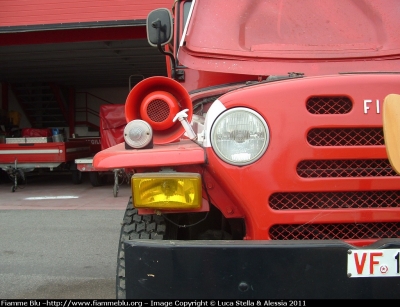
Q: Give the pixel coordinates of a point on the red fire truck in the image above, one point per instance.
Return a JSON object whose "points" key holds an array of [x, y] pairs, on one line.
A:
{"points": [[259, 165]]}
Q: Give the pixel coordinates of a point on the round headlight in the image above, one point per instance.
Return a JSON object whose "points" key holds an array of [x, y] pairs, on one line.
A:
{"points": [[240, 136]]}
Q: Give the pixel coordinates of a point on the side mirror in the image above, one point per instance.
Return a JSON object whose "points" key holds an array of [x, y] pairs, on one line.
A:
{"points": [[391, 129], [159, 27]]}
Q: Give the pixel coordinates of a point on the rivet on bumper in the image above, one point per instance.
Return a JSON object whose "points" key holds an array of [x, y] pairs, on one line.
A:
{"points": [[243, 286]]}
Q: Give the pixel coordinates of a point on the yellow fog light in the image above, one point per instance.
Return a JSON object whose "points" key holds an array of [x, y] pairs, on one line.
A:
{"points": [[166, 190]]}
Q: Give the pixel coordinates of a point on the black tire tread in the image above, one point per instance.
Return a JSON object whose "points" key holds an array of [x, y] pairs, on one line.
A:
{"points": [[135, 226], [95, 179], [76, 177]]}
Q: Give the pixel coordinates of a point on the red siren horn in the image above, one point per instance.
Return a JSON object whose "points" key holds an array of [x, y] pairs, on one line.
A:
{"points": [[157, 100]]}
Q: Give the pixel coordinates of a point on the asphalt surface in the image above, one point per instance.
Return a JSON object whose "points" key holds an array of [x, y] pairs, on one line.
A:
{"points": [[57, 248]]}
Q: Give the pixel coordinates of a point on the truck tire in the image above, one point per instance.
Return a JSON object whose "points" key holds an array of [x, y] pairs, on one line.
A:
{"points": [[95, 179], [135, 226], [76, 176]]}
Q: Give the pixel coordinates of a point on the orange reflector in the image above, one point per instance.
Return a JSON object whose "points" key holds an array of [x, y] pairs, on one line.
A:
{"points": [[166, 190]]}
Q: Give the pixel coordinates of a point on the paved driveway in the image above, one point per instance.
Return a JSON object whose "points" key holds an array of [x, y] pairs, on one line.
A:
{"points": [[52, 246]]}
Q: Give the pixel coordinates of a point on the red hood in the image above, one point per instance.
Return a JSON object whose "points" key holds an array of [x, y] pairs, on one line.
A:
{"points": [[262, 37]]}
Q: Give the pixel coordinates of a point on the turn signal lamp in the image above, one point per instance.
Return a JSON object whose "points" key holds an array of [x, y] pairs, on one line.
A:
{"points": [[169, 191], [138, 134]]}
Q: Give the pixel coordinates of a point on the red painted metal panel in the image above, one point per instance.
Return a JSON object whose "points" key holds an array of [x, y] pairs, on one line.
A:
{"points": [[179, 153], [43, 152], [283, 106], [274, 37], [39, 12], [93, 142], [112, 124]]}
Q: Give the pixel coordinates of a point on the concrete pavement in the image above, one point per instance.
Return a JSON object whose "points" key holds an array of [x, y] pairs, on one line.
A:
{"points": [[59, 240], [56, 191]]}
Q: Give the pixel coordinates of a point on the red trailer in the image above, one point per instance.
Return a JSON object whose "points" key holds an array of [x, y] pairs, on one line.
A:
{"points": [[112, 124], [23, 155]]}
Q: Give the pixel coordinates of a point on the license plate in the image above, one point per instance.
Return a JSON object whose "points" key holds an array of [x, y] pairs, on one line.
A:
{"points": [[373, 263]]}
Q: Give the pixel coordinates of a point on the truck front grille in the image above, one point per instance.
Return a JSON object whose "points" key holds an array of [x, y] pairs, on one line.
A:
{"points": [[345, 137], [335, 231], [334, 200], [345, 168], [329, 105], [353, 186]]}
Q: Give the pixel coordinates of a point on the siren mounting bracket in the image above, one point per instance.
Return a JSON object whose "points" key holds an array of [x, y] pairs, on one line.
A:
{"points": [[181, 116]]}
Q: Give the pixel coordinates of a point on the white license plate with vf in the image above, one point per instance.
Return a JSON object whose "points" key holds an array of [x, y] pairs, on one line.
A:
{"points": [[373, 263]]}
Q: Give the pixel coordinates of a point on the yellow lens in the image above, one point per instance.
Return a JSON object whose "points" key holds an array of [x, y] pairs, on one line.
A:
{"points": [[166, 190]]}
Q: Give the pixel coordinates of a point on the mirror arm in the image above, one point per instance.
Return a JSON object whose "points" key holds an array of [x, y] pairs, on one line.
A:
{"points": [[157, 24]]}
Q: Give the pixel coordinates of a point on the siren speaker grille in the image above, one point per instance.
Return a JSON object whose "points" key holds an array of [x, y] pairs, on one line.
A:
{"points": [[158, 110]]}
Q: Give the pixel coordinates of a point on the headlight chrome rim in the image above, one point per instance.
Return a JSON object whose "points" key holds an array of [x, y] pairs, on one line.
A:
{"points": [[223, 117]]}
